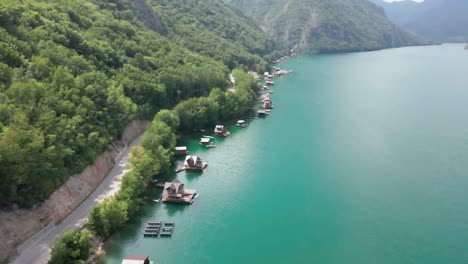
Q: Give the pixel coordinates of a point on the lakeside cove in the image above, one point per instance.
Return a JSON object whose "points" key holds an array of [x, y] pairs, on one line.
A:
{"points": [[373, 157]]}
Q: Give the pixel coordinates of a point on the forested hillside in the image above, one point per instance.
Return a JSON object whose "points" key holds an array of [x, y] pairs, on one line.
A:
{"points": [[326, 25], [439, 20], [73, 73], [214, 29]]}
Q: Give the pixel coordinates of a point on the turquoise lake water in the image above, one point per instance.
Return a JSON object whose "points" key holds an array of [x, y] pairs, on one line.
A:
{"points": [[363, 160]]}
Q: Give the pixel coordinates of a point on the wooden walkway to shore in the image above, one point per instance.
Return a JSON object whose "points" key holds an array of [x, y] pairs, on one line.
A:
{"points": [[180, 170]]}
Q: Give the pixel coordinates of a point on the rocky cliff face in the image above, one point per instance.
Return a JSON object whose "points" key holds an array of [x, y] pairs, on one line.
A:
{"points": [[18, 226]]}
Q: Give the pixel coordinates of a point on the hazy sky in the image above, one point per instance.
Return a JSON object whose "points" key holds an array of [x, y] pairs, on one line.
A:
{"points": [[403, 0]]}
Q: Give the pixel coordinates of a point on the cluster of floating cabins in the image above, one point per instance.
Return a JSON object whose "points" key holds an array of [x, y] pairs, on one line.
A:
{"points": [[174, 192], [267, 104]]}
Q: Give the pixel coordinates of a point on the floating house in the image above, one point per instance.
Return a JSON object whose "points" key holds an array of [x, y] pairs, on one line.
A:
{"points": [[267, 103], [194, 163], [206, 141], [181, 150], [241, 123], [174, 192], [269, 83], [221, 131], [262, 113], [136, 259]]}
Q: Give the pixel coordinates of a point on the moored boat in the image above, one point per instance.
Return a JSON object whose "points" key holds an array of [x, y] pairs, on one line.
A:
{"points": [[241, 123]]}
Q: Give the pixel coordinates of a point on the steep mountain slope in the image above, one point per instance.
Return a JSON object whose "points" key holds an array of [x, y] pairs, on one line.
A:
{"points": [[326, 25], [74, 73], [403, 11], [197, 25], [440, 20]]}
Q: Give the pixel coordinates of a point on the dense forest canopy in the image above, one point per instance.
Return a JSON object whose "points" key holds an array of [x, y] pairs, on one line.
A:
{"points": [[326, 25], [73, 73], [198, 25]]}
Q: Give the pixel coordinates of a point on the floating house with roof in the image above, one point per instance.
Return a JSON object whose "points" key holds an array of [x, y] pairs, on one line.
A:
{"points": [[181, 150], [206, 141], [267, 103], [174, 192], [136, 259], [221, 131], [194, 163], [262, 113]]}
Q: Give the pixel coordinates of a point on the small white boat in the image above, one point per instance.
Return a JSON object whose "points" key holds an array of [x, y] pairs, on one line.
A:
{"points": [[157, 200], [241, 123]]}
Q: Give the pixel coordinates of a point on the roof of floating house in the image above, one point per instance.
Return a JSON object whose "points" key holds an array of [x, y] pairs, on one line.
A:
{"points": [[181, 148], [205, 140], [172, 189], [175, 184], [135, 259], [194, 158], [219, 128]]}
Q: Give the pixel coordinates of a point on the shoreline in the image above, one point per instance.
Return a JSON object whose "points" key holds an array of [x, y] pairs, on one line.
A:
{"points": [[193, 135], [108, 186]]}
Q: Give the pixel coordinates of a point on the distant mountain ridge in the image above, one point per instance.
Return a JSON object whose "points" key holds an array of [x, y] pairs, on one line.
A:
{"points": [[439, 20], [326, 25]]}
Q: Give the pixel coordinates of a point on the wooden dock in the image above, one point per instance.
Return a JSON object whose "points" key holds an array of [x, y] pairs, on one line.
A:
{"points": [[155, 229], [152, 229], [192, 168], [167, 229]]}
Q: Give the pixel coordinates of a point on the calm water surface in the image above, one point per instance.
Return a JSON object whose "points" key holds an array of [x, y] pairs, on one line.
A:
{"points": [[363, 160]]}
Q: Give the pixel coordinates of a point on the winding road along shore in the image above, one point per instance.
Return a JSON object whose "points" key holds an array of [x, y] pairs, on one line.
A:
{"points": [[39, 252]]}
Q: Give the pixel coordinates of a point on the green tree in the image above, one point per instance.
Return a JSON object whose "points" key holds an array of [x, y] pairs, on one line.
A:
{"points": [[72, 247], [169, 117]]}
